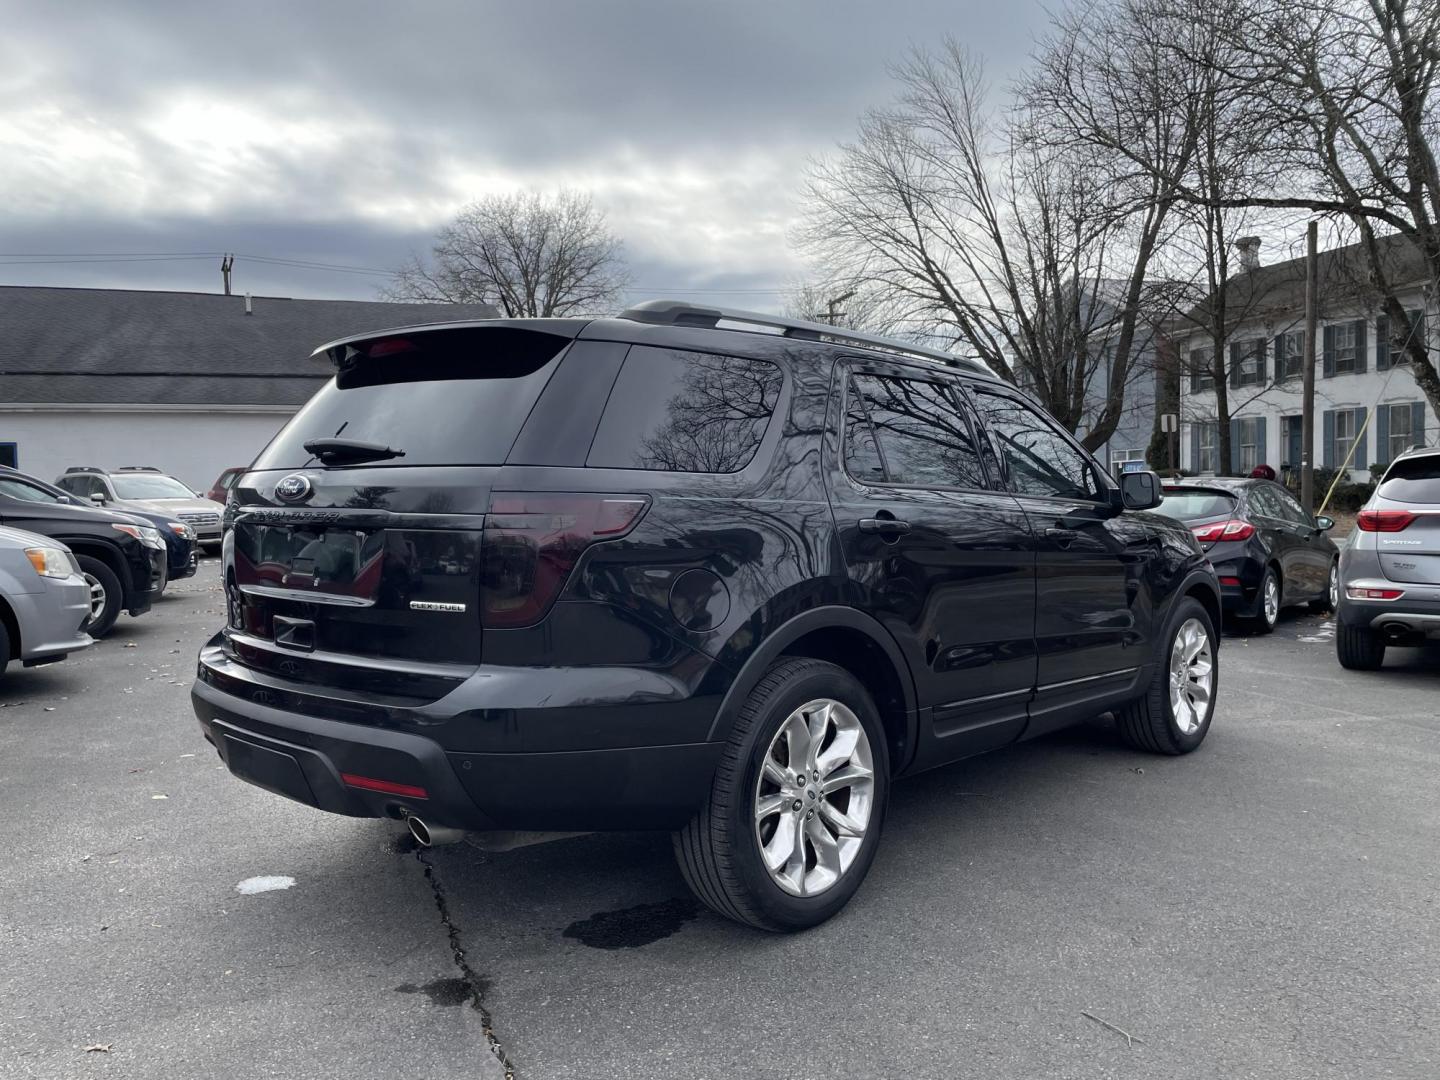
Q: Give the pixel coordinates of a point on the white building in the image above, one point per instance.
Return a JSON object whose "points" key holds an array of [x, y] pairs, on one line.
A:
{"points": [[191, 383], [1367, 405]]}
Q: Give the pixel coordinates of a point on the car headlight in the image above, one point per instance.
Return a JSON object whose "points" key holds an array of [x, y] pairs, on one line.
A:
{"points": [[144, 533], [179, 528], [51, 562]]}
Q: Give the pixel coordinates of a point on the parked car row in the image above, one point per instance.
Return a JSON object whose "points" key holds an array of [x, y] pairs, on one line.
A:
{"points": [[122, 536]]}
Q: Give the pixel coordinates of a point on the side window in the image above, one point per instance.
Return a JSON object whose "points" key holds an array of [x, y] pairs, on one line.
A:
{"points": [[78, 486], [1290, 508], [1262, 498], [673, 411], [1039, 459], [908, 432]]}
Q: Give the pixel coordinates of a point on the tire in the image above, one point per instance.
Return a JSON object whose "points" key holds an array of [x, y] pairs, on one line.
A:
{"points": [[720, 851], [1150, 721], [99, 575], [1266, 617], [1331, 599], [1358, 647]]}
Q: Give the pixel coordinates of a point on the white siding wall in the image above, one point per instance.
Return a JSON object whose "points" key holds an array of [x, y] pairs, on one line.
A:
{"points": [[195, 447], [1274, 401]]}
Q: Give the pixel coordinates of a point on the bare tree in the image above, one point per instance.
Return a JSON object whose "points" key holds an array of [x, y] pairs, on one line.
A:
{"points": [[1344, 92], [850, 304], [530, 255], [972, 229]]}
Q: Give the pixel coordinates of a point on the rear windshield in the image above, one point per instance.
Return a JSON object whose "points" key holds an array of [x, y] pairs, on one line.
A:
{"points": [[1413, 480], [1195, 505], [444, 397]]}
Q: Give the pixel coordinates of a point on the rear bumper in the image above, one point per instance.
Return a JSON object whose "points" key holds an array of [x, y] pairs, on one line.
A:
{"points": [[1231, 561], [322, 762], [1408, 616]]}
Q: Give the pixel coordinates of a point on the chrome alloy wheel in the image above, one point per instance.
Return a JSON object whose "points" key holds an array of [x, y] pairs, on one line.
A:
{"points": [[1334, 585], [97, 596], [1192, 676], [814, 796], [1272, 599]]}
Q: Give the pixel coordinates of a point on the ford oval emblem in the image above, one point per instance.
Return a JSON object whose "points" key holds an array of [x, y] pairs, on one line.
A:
{"points": [[293, 488]]}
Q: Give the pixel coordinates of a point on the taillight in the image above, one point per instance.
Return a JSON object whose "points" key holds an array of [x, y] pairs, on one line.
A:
{"points": [[1373, 594], [1384, 520], [532, 542], [1234, 529]]}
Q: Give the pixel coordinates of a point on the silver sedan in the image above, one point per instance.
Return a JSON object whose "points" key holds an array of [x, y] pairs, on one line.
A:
{"points": [[43, 600]]}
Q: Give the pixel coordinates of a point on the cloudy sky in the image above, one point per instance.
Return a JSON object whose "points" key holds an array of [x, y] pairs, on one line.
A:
{"points": [[343, 132]]}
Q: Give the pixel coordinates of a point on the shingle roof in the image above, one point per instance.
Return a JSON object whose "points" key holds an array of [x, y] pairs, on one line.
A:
{"points": [[137, 347], [1343, 277]]}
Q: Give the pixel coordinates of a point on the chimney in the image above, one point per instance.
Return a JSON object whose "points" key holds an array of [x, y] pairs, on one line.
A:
{"points": [[248, 309], [1249, 248]]}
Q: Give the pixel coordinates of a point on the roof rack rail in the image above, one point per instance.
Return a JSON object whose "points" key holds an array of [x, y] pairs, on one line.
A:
{"points": [[83, 468], [680, 313], [137, 468]]}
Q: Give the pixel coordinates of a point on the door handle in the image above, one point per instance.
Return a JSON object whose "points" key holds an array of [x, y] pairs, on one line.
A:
{"points": [[1062, 537], [884, 525]]}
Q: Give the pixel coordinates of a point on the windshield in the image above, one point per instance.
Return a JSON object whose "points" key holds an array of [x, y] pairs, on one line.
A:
{"points": [[1413, 480], [445, 397], [1195, 505], [149, 486]]}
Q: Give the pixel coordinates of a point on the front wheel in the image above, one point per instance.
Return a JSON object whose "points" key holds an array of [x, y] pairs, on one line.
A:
{"points": [[1174, 714], [106, 596], [1331, 600], [796, 806]]}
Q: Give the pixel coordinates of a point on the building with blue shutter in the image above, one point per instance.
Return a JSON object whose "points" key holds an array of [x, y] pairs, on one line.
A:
{"points": [[1368, 407]]}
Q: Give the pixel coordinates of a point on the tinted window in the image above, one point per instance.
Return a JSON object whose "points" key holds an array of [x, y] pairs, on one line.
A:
{"points": [[1290, 508], [1263, 500], [673, 411], [445, 397], [1039, 459], [19, 489], [1413, 480], [1196, 505], [909, 432]]}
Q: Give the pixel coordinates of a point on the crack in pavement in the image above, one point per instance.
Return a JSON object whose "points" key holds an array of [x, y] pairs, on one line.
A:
{"points": [[473, 981]]}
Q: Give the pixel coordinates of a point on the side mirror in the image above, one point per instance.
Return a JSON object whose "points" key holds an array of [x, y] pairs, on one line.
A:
{"points": [[97, 497], [1140, 490], [1324, 524]]}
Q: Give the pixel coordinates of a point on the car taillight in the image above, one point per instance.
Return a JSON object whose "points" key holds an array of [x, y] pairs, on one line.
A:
{"points": [[1384, 520], [1234, 529], [1373, 594], [532, 542]]}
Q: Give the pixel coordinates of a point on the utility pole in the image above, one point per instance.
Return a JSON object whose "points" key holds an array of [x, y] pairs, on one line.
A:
{"points": [[1307, 369], [225, 264], [833, 314]]}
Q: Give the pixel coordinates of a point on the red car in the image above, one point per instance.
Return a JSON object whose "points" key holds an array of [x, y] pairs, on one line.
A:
{"points": [[222, 486]]}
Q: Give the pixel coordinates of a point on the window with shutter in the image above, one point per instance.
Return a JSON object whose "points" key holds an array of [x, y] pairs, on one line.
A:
{"points": [[1342, 357], [1250, 358], [1382, 342]]}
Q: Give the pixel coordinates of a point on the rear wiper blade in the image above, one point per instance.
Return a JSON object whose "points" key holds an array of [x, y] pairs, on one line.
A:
{"points": [[330, 451]]}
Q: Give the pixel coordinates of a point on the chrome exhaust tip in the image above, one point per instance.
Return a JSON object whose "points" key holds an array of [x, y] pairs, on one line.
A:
{"points": [[432, 835]]}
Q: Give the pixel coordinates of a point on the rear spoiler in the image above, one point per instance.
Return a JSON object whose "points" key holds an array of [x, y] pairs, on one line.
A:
{"points": [[342, 353]]}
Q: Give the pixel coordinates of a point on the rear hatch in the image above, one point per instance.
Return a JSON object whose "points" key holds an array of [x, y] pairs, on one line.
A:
{"points": [[1405, 517], [1206, 511], [357, 561]]}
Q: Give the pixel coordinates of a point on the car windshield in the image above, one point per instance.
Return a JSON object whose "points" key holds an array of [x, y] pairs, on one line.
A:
{"points": [[1413, 480], [1185, 505], [149, 486]]}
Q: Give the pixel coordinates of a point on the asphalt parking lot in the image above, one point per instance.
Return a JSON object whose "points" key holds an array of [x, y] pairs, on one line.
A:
{"points": [[1268, 907]]}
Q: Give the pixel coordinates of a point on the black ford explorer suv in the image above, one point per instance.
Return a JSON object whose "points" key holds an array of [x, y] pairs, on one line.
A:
{"points": [[684, 569]]}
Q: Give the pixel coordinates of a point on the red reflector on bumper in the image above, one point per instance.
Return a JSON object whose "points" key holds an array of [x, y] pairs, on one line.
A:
{"points": [[1230, 581], [385, 786]]}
